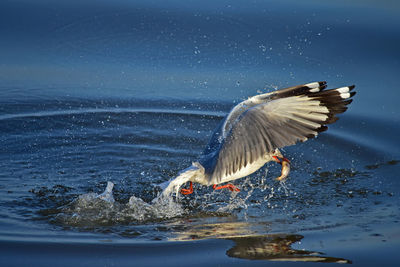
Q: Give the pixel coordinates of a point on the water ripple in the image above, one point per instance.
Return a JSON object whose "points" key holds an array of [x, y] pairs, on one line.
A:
{"points": [[53, 113]]}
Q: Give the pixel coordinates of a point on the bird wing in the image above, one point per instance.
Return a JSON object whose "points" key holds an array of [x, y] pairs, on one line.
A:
{"points": [[243, 106], [225, 126], [276, 120]]}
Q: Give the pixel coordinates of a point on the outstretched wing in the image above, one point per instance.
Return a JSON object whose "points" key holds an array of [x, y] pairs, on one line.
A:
{"points": [[242, 107], [223, 129], [276, 120]]}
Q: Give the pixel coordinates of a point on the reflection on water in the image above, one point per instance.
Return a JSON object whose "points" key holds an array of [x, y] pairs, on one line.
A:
{"points": [[248, 244], [221, 230], [276, 247]]}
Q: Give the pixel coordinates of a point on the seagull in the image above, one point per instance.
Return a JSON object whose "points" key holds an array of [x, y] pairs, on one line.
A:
{"points": [[255, 129]]}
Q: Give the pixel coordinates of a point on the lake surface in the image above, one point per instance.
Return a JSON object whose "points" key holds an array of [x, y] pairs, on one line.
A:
{"points": [[131, 91]]}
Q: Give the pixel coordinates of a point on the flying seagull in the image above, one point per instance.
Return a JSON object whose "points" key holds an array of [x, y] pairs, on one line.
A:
{"points": [[254, 130]]}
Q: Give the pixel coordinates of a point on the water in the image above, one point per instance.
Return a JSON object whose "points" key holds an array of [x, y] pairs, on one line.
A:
{"points": [[95, 92]]}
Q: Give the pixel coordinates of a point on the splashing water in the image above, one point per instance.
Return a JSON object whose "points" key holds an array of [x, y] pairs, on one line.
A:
{"points": [[258, 195], [101, 209], [91, 210], [107, 194]]}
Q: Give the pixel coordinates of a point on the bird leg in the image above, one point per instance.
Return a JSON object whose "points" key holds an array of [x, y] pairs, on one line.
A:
{"points": [[229, 186], [187, 191], [285, 167]]}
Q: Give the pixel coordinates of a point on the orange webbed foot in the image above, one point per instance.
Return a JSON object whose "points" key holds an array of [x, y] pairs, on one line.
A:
{"points": [[187, 191], [229, 186]]}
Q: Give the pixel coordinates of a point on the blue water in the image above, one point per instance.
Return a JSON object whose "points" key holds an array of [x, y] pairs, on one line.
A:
{"points": [[130, 92]]}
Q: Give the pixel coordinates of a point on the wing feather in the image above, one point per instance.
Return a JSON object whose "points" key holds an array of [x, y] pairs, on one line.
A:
{"points": [[282, 118]]}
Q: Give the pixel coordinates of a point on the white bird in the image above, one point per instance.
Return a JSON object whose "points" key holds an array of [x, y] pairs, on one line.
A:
{"points": [[254, 130]]}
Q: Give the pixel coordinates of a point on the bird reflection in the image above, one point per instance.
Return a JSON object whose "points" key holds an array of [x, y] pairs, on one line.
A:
{"points": [[275, 247], [249, 244]]}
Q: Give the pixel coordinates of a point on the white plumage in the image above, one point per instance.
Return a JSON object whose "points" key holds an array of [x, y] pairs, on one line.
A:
{"points": [[254, 130]]}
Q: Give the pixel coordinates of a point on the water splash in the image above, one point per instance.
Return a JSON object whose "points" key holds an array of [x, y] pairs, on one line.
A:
{"points": [[92, 210], [278, 199], [107, 194]]}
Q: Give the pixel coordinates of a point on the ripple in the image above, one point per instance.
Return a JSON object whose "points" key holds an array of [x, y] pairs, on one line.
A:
{"points": [[41, 114]]}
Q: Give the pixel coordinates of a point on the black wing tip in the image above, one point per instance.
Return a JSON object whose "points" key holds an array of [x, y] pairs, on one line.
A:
{"points": [[347, 102], [322, 85], [323, 128], [318, 130], [331, 119]]}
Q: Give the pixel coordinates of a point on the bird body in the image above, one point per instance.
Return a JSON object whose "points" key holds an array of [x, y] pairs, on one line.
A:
{"points": [[254, 130]]}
